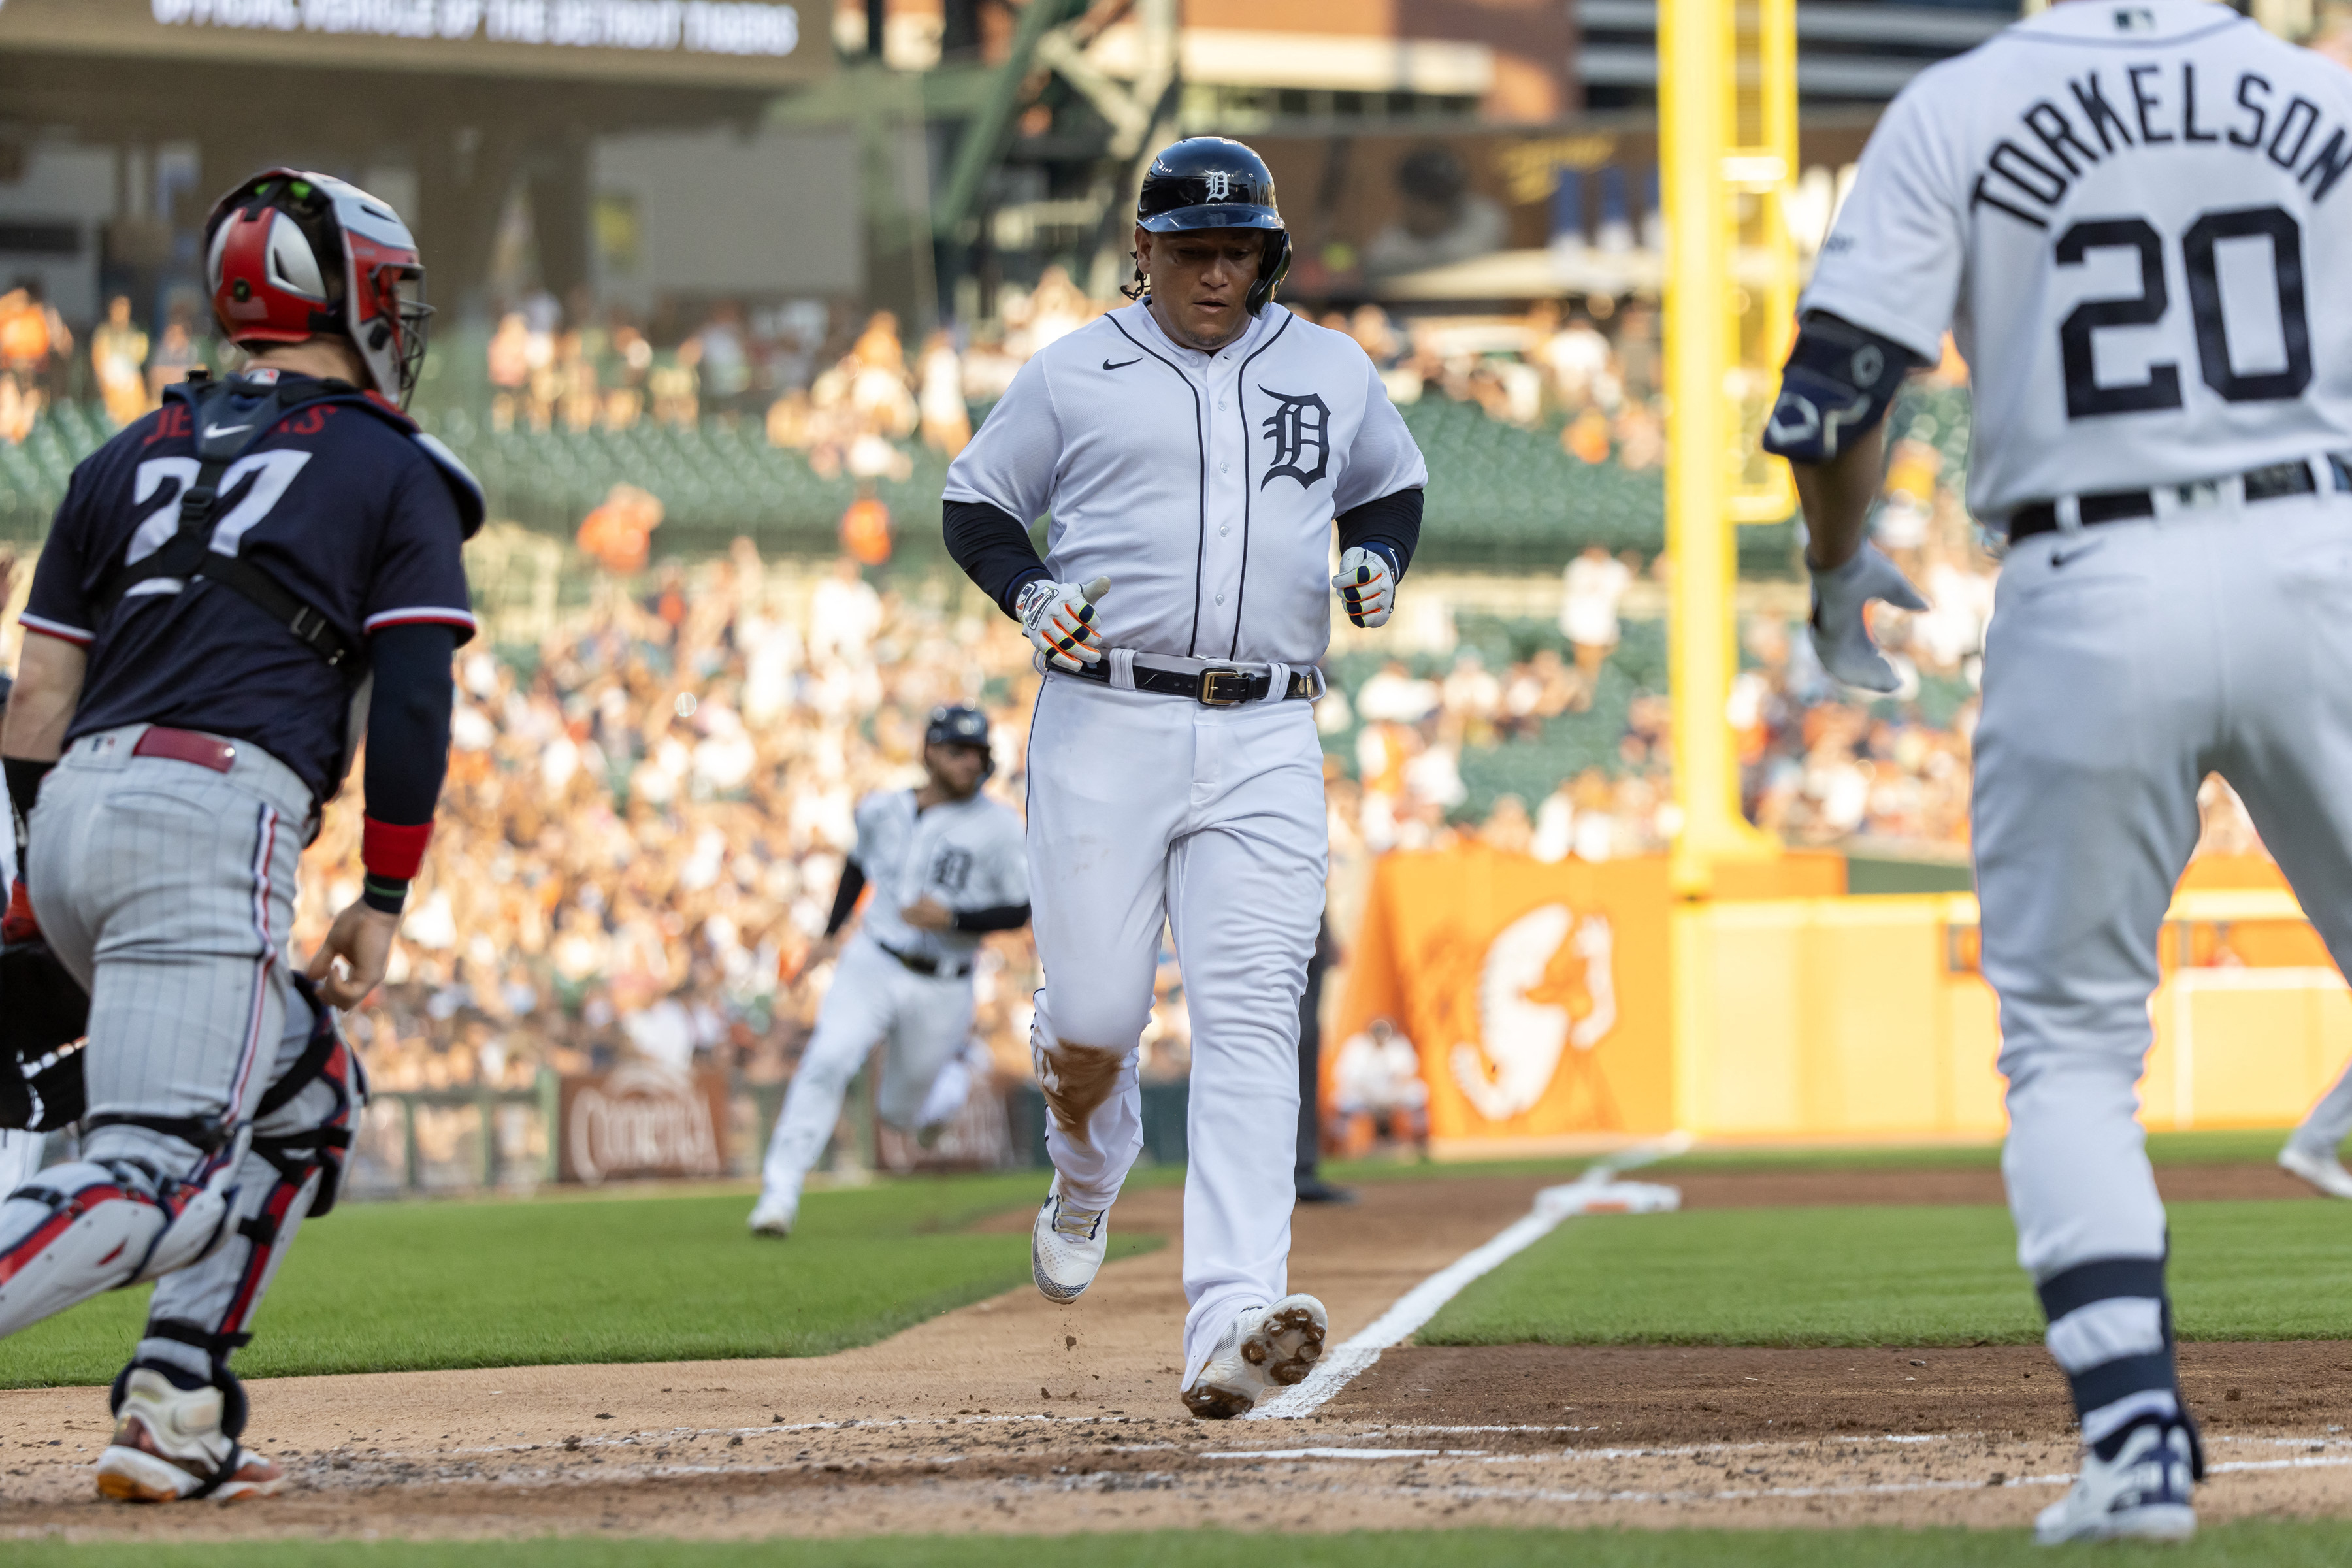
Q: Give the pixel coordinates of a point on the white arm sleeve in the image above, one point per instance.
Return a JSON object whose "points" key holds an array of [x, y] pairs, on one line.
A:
{"points": [[1891, 263], [1383, 460], [1010, 462]]}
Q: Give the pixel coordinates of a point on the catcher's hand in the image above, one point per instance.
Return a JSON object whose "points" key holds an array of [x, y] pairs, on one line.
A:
{"points": [[1060, 619], [1367, 586], [1839, 626]]}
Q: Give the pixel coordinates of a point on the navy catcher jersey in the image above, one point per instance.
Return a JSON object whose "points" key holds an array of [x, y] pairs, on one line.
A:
{"points": [[340, 506]]}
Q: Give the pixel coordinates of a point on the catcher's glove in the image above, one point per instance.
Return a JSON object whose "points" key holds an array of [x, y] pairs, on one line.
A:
{"points": [[1060, 619]]}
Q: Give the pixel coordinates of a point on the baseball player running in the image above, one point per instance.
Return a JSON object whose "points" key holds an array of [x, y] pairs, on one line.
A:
{"points": [[947, 866], [228, 583], [2125, 210], [1194, 450]]}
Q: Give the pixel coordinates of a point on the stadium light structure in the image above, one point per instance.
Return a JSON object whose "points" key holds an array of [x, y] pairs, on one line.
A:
{"points": [[1727, 129]]}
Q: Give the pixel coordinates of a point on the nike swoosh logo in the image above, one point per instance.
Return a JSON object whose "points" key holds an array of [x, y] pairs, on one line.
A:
{"points": [[215, 432], [1122, 364], [2061, 557]]}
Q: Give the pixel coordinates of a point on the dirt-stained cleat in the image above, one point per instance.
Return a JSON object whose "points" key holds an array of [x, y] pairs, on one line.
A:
{"points": [[774, 1216], [1066, 1247], [169, 1446], [2321, 1169], [2141, 1494], [1267, 1348]]}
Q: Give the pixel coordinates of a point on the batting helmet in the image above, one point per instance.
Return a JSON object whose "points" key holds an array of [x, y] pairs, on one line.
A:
{"points": [[290, 255], [1213, 181], [959, 726]]}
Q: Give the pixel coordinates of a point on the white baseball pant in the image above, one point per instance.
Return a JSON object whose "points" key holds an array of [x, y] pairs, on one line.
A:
{"points": [[1143, 809], [2124, 663], [2323, 1129], [925, 1020]]}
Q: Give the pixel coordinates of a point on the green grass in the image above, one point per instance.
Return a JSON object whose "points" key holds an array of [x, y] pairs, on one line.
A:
{"points": [[2312, 1543], [399, 1287], [1884, 1276], [2259, 1146]]}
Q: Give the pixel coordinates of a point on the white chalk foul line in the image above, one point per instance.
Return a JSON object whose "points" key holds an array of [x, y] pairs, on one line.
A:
{"points": [[1417, 1306]]}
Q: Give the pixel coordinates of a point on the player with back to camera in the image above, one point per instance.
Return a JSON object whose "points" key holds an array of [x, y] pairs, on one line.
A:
{"points": [[946, 865], [1193, 449], [2130, 213], [230, 584]]}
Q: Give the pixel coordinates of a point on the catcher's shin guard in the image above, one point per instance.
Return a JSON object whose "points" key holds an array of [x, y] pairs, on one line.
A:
{"points": [[291, 1171], [93, 1225]]}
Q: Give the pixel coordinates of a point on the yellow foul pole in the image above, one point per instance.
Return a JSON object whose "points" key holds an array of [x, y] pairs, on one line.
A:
{"points": [[1708, 167]]}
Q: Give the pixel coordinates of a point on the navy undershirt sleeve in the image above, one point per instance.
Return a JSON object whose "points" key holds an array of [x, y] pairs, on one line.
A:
{"points": [[408, 722], [844, 898], [996, 917], [992, 548], [1391, 524]]}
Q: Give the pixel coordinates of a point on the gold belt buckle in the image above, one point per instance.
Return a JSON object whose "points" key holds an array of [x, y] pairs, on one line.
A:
{"points": [[1208, 679]]}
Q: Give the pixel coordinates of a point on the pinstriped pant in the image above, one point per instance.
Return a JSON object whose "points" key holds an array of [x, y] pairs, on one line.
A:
{"points": [[168, 890]]}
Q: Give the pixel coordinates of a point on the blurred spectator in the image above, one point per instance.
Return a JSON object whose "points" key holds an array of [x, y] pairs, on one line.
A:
{"points": [[180, 348], [1591, 590], [866, 530], [1376, 1092], [947, 422], [509, 369], [1443, 220], [118, 360], [618, 536]]}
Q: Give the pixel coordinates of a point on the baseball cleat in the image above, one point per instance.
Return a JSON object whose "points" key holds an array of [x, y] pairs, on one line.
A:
{"points": [[774, 1216], [1264, 1349], [1066, 1247], [2141, 1494], [2324, 1171], [168, 1446]]}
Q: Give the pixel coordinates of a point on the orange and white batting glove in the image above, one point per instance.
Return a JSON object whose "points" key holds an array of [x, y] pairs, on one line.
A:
{"points": [[1366, 584], [1060, 619]]}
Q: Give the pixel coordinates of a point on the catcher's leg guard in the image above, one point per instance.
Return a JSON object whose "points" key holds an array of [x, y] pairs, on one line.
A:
{"points": [[94, 1225], [291, 1170]]}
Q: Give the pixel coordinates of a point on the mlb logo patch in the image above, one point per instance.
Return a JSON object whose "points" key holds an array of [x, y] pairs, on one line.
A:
{"points": [[2135, 19]]}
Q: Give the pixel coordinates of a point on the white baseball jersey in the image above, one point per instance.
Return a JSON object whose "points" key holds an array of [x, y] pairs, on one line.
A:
{"points": [[1203, 486], [2117, 205], [966, 854]]}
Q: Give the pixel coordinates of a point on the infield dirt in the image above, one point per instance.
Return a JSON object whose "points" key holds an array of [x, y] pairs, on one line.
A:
{"points": [[1017, 1414]]}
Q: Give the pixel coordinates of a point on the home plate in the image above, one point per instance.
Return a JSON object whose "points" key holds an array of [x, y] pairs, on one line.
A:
{"points": [[1608, 1197]]}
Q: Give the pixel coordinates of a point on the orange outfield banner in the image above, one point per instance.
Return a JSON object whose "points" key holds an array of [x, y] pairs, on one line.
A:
{"points": [[1536, 994]]}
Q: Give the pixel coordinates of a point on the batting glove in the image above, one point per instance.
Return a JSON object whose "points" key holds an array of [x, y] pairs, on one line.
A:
{"points": [[1060, 619], [1841, 626], [1367, 586]]}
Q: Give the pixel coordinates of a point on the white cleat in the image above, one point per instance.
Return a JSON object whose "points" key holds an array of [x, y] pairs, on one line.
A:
{"points": [[2141, 1494], [2324, 1171], [169, 1446], [1066, 1247], [774, 1216], [1267, 1348]]}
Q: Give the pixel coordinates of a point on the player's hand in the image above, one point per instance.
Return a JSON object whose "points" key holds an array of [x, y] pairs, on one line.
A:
{"points": [[1367, 586], [18, 924], [1841, 626], [361, 938], [1060, 619], [927, 913]]}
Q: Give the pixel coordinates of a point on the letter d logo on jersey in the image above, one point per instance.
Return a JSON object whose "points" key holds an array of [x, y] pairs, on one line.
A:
{"points": [[1297, 424]]}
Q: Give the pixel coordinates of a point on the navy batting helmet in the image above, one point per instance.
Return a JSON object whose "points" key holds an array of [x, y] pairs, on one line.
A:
{"points": [[959, 726], [1213, 181]]}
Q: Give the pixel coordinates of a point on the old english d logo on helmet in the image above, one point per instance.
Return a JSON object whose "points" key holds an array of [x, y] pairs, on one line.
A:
{"points": [[1213, 181]]}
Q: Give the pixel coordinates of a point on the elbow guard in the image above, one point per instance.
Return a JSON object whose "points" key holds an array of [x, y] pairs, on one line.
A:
{"points": [[1839, 383]]}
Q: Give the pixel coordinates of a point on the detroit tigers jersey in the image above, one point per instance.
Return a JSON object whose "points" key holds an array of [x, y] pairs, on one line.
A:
{"points": [[336, 504], [2117, 205], [1202, 485], [966, 854]]}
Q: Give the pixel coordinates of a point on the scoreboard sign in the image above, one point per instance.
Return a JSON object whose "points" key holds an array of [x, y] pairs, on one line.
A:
{"points": [[718, 42]]}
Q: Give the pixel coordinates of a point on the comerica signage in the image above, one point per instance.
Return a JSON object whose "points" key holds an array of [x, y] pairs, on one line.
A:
{"points": [[694, 27]]}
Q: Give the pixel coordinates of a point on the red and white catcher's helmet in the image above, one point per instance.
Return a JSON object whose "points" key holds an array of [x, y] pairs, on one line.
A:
{"points": [[290, 255]]}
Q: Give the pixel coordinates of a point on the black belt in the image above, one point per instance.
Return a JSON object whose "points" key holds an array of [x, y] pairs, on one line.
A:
{"points": [[1211, 688], [929, 967], [2268, 483]]}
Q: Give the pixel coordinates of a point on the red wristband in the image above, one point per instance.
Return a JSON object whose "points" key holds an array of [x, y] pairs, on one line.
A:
{"points": [[392, 850]]}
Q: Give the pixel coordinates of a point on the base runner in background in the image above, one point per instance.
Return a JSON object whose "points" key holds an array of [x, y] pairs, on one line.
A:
{"points": [[2132, 214], [946, 867], [229, 583], [1194, 451]]}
